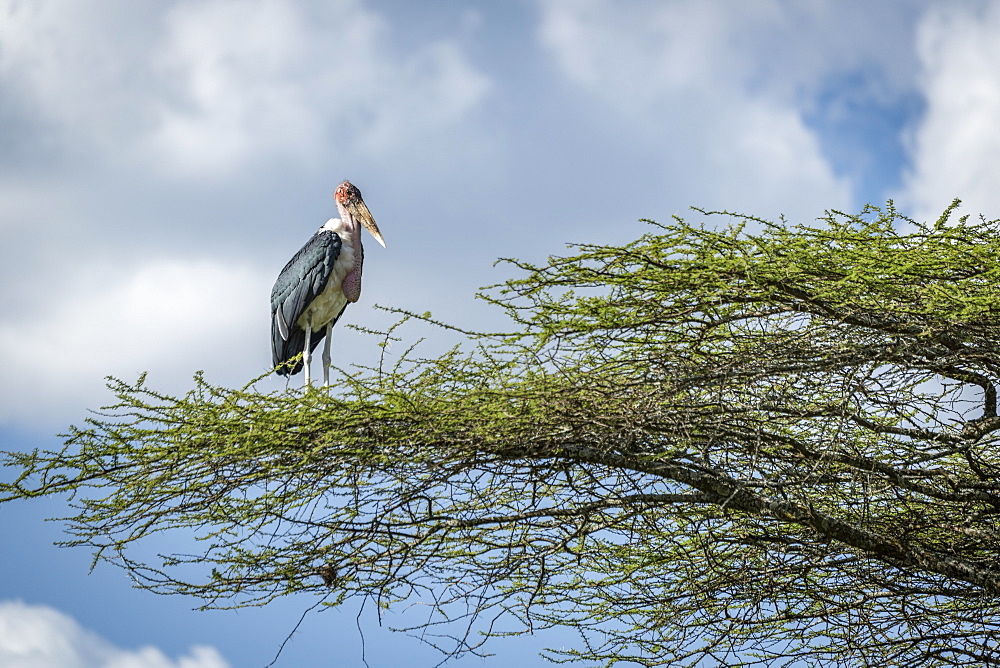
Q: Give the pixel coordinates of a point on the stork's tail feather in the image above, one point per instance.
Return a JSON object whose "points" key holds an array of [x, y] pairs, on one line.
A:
{"points": [[289, 367], [286, 354]]}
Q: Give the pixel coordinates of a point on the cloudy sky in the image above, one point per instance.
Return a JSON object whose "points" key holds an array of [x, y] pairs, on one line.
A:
{"points": [[159, 162]]}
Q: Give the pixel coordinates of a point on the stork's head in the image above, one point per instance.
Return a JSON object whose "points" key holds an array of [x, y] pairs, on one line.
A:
{"points": [[348, 199]]}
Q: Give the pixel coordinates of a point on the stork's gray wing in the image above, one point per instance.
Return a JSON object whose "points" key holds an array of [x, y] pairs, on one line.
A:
{"points": [[298, 284]]}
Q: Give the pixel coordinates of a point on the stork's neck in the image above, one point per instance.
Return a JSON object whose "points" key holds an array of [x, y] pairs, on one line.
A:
{"points": [[349, 226], [345, 226]]}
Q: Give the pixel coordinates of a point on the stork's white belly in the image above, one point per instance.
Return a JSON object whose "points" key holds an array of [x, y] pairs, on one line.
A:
{"points": [[331, 301]]}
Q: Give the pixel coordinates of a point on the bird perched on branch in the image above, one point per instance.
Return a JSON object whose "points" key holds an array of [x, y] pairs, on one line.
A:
{"points": [[318, 283]]}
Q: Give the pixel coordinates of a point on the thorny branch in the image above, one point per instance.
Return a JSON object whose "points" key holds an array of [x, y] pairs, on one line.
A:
{"points": [[706, 445]]}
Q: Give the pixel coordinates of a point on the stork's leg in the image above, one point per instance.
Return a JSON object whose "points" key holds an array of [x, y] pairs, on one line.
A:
{"points": [[307, 354], [326, 354]]}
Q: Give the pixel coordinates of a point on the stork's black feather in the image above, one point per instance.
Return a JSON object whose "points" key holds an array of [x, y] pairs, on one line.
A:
{"points": [[299, 283]]}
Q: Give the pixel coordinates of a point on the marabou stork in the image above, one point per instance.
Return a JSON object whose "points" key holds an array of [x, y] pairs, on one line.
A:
{"points": [[318, 283]]}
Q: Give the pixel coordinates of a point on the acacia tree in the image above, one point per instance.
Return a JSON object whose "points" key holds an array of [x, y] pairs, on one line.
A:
{"points": [[706, 445]]}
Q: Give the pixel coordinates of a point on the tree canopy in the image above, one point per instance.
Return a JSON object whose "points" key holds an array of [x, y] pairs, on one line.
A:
{"points": [[739, 441]]}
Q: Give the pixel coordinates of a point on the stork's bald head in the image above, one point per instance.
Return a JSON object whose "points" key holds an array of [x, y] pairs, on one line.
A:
{"points": [[348, 199]]}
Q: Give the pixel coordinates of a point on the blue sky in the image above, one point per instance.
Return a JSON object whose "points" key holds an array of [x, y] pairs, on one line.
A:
{"points": [[159, 162]]}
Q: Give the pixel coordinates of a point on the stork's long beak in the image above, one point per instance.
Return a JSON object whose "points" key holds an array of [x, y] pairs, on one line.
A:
{"points": [[360, 211]]}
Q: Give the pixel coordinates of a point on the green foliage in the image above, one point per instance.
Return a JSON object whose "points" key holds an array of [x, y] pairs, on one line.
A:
{"points": [[747, 444]]}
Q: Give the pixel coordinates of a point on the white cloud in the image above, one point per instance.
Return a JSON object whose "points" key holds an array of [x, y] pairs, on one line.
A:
{"points": [[237, 75], [269, 78], [205, 88], [36, 636], [635, 54], [718, 84], [75, 65], [954, 149], [169, 317]]}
